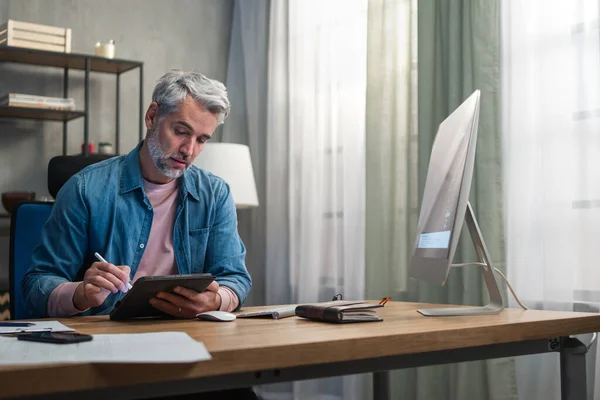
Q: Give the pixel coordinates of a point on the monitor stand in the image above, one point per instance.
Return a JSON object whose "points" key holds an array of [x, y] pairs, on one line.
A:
{"points": [[496, 304]]}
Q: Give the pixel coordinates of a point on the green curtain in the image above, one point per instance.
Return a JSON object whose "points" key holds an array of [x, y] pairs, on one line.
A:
{"points": [[458, 52]]}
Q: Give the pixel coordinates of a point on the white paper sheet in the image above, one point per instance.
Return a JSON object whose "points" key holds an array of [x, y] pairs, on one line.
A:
{"points": [[159, 347], [39, 326]]}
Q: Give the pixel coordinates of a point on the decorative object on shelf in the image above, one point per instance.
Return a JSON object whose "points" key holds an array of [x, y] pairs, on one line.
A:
{"points": [[106, 50], [105, 148], [231, 162], [34, 101], [10, 200], [35, 36], [91, 148]]}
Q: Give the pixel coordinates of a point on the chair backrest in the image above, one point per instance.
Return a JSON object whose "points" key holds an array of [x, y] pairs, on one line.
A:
{"points": [[61, 168], [26, 225]]}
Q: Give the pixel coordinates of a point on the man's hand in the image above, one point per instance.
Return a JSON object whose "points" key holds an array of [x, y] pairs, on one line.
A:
{"points": [[100, 280], [186, 303]]}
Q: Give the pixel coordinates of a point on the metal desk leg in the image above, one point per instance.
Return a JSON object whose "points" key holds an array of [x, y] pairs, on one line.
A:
{"points": [[381, 385], [572, 369]]}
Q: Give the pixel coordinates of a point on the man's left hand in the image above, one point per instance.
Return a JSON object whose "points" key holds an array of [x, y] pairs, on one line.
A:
{"points": [[186, 303]]}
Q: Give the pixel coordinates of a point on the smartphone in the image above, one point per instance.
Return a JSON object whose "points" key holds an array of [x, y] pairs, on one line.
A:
{"points": [[55, 337]]}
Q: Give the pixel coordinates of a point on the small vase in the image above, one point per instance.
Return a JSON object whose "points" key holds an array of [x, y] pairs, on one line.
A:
{"points": [[105, 149]]}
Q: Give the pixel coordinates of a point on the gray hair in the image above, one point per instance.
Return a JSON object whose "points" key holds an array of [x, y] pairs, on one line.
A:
{"points": [[174, 86]]}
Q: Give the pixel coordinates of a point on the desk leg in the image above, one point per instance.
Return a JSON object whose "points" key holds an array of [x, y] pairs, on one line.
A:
{"points": [[381, 385], [572, 370]]}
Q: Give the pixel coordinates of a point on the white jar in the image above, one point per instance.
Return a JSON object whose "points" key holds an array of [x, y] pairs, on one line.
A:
{"points": [[106, 50], [105, 148]]}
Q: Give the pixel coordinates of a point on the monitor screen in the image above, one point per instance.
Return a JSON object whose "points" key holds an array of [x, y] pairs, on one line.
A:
{"points": [[446, 192], [442, 199]]}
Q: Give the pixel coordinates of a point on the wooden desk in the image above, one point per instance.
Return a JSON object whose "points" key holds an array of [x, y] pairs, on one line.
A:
{"points": [[250, 352]]}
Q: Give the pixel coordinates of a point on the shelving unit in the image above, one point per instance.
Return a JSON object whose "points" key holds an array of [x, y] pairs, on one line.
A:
{"points": [[67, 61], [39, 113]]}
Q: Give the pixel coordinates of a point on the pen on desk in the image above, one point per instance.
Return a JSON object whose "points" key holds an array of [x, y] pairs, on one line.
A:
{"points": [[101, 259]]}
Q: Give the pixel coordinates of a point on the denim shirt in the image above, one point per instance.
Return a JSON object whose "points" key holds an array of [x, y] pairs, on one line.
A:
{"points": [[104, 209]]}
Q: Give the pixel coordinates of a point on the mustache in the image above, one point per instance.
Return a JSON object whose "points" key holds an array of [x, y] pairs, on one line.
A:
{"points": [[181, 158]]}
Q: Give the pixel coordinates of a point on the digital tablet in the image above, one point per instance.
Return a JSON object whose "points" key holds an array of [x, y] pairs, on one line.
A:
{"points": [[136, 303]]}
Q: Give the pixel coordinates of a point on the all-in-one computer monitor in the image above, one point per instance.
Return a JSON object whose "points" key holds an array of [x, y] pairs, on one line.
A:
{"points": [[445, 206]]}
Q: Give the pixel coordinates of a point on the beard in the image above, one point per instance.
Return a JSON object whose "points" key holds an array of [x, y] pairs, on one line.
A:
{"points": [[161, 159]]}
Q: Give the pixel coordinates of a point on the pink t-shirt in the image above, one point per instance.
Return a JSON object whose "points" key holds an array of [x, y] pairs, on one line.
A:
{"points": [[158, 257]]}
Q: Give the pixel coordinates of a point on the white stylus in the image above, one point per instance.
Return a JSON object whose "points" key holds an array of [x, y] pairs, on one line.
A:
{"points": [[101, 259]]}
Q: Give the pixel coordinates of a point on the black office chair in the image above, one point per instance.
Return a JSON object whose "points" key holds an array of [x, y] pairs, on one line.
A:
{"points": [[61, 168]]}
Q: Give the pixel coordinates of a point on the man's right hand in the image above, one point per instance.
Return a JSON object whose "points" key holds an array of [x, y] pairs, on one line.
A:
{"points": [[100, 280]]}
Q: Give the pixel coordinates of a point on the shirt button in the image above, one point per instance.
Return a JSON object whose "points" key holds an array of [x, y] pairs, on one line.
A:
{"points": [[149, 207], [142, 246]]}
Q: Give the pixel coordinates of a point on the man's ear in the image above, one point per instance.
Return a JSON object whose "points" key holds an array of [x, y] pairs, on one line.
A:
{"points": [[151, 115]]}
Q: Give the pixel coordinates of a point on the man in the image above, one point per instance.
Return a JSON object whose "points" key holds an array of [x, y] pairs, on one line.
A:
{"points": [[150, 212]]}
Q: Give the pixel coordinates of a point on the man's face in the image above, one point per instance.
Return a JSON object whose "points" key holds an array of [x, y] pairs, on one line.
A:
{"points": [[175, 142]]}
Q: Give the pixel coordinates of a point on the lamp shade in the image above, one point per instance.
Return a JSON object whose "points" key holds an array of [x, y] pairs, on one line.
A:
{"points": [[231, 162]]}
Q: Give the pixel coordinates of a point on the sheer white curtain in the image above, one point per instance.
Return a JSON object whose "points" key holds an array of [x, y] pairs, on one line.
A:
{"points": [[316, 163], [327, 82], [551, 130]]}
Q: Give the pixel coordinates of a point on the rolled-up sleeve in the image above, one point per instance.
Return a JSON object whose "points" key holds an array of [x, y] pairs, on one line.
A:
{"points": [[229, 300], [60, 302]]}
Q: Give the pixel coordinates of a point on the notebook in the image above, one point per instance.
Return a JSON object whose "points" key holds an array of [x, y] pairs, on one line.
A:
{"points": [[340, 311]]}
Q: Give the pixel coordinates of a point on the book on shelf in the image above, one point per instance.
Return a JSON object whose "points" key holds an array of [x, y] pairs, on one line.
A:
{"points": [[33, 101], [340, 311]]}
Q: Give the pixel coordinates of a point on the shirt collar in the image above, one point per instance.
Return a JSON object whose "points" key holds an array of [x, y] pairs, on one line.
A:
{"points": [[131, 176]]}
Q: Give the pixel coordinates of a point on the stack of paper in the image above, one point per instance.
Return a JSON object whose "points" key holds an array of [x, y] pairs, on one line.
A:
{"points": [[159, 347], [36, 326]]}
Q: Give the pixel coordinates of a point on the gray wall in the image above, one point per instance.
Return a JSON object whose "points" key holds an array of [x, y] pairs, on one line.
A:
{"points": [[184, 34]]}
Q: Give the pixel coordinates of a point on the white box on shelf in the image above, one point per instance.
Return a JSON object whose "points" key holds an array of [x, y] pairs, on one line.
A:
{"points": [[35, 36]]}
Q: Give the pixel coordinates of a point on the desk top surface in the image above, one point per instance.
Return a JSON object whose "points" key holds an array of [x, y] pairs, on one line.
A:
{"points": [[250, 344]]}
